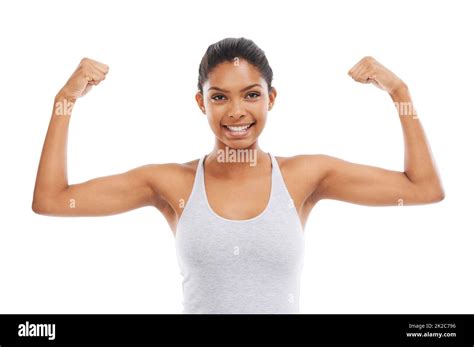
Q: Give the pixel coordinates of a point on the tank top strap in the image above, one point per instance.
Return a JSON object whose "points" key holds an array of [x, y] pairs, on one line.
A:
{"points": [[198, 188], [200, 172], [281, 193], [195, 199]]}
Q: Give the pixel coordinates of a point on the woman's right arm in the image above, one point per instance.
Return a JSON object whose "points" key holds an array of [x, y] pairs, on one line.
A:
{"points": [[53, 195]]}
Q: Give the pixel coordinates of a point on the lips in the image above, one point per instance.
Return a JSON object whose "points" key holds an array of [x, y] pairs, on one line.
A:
{"points": [[238, 130], [238, 127]]}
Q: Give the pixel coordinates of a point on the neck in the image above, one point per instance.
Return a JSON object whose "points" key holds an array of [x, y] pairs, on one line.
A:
{"points": [[226, 161]]}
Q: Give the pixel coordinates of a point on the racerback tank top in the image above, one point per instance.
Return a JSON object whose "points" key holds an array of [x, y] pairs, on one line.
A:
{"points": [[240, 266]]}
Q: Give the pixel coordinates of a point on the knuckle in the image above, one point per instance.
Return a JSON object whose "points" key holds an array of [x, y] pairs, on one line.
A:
{"points": [[369, 59]]}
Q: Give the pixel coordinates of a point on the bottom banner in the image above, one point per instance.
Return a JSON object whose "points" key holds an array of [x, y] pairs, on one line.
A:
{"points": [[222, 329]]}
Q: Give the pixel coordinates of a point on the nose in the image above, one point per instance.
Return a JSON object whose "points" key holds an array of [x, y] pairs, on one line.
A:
{"points": [[237, 116], [236, 111]]}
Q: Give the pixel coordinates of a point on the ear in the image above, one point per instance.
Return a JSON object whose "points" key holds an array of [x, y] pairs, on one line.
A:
{"points": [[271, 98], [200, 101]]}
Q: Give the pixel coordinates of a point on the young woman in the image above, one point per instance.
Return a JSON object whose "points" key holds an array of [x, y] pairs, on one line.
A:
{"points": [[238, 213]]}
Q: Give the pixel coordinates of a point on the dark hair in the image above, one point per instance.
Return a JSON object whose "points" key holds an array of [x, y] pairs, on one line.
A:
{"points": [[229, 48]]}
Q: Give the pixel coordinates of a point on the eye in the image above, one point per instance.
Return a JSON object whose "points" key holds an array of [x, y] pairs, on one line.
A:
{"points": [[254, 93], [220, 97], [217, 96]]}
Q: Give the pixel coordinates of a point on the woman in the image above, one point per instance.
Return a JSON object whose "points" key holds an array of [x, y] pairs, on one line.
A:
{"points": [[238, 213]]}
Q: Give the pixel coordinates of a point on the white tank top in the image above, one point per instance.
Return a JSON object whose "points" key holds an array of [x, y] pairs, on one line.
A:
{"points": [[240, 266]]}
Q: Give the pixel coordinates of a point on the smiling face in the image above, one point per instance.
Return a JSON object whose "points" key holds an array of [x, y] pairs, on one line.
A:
{"points": [[236, 101]]}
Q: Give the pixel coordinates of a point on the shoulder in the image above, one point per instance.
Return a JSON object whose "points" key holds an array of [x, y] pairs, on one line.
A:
{"points": [[176, 171], [304, 163], [307, 170], [169, 179], [303, 175]]}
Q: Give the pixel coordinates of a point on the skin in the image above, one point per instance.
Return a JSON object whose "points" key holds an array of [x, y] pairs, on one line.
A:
{"points": [[234, 190]]}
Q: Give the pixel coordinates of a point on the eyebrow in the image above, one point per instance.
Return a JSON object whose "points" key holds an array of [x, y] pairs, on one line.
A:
{"points": [[242, 90]]}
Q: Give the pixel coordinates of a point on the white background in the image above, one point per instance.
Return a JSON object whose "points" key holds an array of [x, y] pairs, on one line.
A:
{"points": [[359, 259]]}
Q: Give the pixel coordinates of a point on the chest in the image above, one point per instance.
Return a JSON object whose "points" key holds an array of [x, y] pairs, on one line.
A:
{"points": [[238, 200]]}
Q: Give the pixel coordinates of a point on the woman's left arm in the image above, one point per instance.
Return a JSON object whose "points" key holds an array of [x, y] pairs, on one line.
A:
{"points": [[419, 183]]}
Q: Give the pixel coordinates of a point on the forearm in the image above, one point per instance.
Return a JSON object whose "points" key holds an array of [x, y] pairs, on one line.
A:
{"points": [[420, 166], [52, 170]]}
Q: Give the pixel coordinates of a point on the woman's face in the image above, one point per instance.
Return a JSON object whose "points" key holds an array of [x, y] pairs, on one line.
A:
{"points": [[236, 101]]}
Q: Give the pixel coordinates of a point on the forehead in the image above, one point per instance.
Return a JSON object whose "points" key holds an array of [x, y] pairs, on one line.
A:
{"points": [[232, 75]]}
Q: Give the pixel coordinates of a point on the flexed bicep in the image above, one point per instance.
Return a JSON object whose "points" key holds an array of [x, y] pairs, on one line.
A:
{"points": [[101, 196], [369, 185]]}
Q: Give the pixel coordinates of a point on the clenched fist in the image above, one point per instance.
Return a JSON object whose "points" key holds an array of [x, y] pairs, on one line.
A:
{"points": [[89, 73], [369, 70]]}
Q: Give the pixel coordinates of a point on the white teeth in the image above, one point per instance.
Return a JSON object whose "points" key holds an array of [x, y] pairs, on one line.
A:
{"points": [[240, 128]]}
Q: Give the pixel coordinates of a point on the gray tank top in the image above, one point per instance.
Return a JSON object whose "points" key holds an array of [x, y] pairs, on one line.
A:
{"points": [[240, 266]]}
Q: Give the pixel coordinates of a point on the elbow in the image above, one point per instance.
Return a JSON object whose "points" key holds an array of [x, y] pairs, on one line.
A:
{"points": [[434, 194], [41, 206], [440, 196], [438, 193], [48, 204], [38, 207], [427, 192]]}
